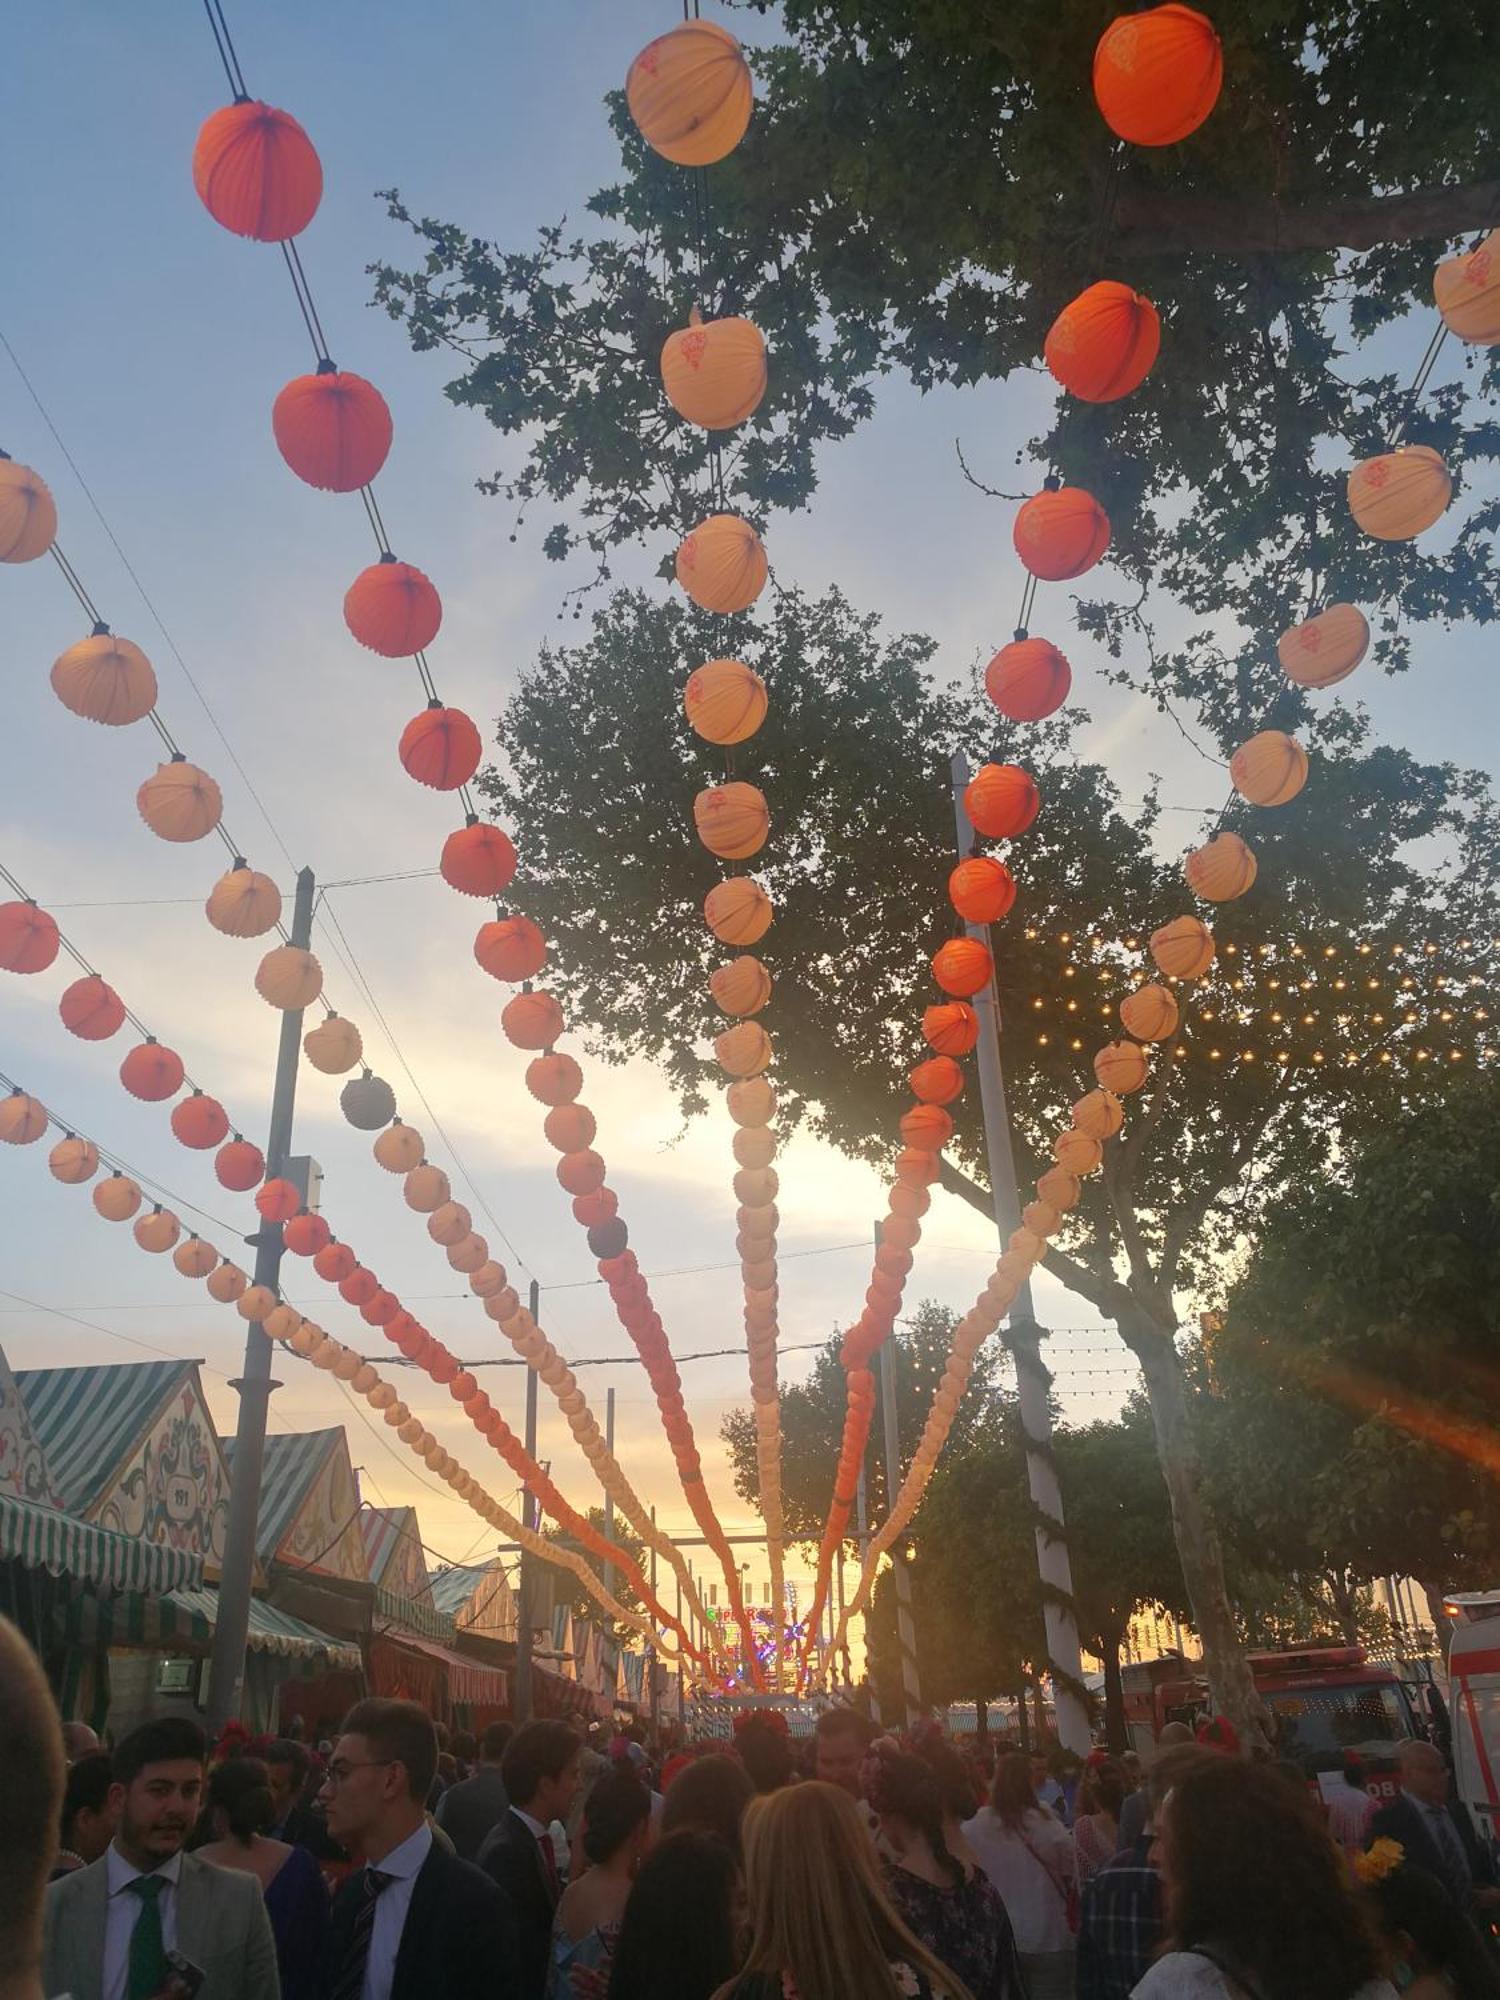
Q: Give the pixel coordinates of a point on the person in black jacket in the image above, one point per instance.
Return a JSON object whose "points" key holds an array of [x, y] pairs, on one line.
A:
{"points": [[541, 1774], [467, 1811], [1434, 1833], [414, 1921]]}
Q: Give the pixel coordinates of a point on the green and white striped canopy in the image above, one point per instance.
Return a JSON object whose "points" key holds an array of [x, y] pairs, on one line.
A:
{"points": [[42, 1538]]}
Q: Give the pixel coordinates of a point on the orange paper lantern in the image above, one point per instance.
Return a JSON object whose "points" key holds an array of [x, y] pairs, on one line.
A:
{"points": [[180, 802], [532, 1020], [1269, 769], [951, 1027], [510, 948], [581, 1173], [690, 94], [743, 1051], [278, 1200], [392, 608], [257, 172], [1100, 1114], [1077, 1153], [1158, 74], [226, 1283], [1059, 1189], [73, 1161], [1104, 343], [569, 1127], [1001, 800], [105, 679], [157, 1231], [981, 890], [244, 903], [1221, 870], [23, 1119], [1150, 1013], [926, 1127], [939, 1080], [426, 1188], [741, 987], [199, 1122], [722, 564], [334, 1046], [962, 966], [91, 1009], [714, 371], [725, 701], [1028, 679], [1184, 948], [28, 513], [152, 1072], [1467, 291], [751, 1101], [1060, 533], [194, 1258], [29, 939], [289, 978], [732, 820], [1325, 649], [478, 860], [399, 1148], [440, 747], [117, 1198], [738, 911], [1398, 494], [554, 1079], [333, 429], [1120, 1068], [239, 1165], [305, 1235]]}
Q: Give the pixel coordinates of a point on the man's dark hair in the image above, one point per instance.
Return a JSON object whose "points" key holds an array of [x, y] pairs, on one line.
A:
{"points": [[495, 1741], [400, 1732], [539, 1751], [709, 1796], [465, 1749], [170, 1739], [284, 1750], [1355, 1773], [844, 1722], [87, 1789]]}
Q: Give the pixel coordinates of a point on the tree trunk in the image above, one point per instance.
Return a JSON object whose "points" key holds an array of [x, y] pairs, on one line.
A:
{"points": [[1224, 1661], [1159, 223], [1442, 1624], [1116, 1735], [1345, 1599]]}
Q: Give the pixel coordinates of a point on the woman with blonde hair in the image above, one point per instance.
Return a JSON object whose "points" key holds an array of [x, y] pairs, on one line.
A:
{"points": [[821, 1927]]}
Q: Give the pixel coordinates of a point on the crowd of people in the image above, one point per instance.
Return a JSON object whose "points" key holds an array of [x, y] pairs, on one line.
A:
{"points": [[534, 1865]]}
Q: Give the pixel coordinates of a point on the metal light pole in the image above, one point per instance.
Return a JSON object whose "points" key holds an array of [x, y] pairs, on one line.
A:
{"points": [[521, 1705], [906, 1628], [1023, 1336], [226, 1674]]}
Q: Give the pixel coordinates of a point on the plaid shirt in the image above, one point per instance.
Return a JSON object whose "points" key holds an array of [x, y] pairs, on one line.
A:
{"points": [[1120, 1926]]}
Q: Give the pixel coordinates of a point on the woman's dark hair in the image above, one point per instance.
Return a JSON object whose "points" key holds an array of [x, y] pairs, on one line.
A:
{"points": [[616, 1806], [242, 1792], [1250, 1870], [907, 1787], [86, 1790], [1444, 1941], [677, 1939], [766, 1753], [1108, 1786], [710, 1796], [1012, 1795], [955, 1779]]}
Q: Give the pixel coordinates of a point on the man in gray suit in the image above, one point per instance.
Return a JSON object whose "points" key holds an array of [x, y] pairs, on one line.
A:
{"points": [[146, 1919]]}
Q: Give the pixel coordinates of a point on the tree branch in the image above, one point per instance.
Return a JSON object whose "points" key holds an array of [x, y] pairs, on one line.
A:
{"points": [[1171, 225]]}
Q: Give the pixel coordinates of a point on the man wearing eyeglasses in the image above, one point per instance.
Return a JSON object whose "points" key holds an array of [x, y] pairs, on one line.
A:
{"points": [[413, 1920]]}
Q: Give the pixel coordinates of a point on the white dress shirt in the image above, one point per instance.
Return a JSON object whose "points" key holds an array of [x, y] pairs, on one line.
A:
{"points": [[403, 1864], [124, 1911]]}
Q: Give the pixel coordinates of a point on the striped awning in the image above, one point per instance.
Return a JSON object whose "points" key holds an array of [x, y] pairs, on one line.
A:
{"points": [[271, 1629], [43, 1538], [182, 1621], [467, 1680], [413, 1614]]}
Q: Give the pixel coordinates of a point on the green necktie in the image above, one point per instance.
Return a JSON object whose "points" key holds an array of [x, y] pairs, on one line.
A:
{"points": [[147, 1965]]}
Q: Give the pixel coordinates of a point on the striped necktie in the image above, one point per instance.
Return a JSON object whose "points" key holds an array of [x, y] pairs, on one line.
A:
{"points": [[351, 1974]]}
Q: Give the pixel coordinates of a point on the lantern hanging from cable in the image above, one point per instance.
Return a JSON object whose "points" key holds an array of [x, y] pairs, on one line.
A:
{"points": [[91, 1009], [1101, 1114], [305, 1235], [1150, 1014], [392, 608], [511, 948], [257, 172], [73, 1160], [1269, 769], [981, 890], [399, 1148], [962, 967], [449, 1223], [28, 513], [333, 429], [239, 1166], [714, 371], [158, 1231], [1158, 74], [1398, 494], [744, 1051], [938, 1080], [738, 911], [278, 1200], [199, 1122], [105, 679], [951, 1027], [1467, 291], [1325, 649], [1184, 948], [1028, 679], [554, 1079], [1120, 1068], [426, 1188], [29, 940], [226, 1283], [334, 1046], [1001, 800], [722, 564], [1060, 532], [441, 747], [289, 978], [743, 986], [368, 1102], [927, 1127], [478, 860], [194, 1258], [1105, 343], [152, 1072], [1078, 1152], [243, 902], [180, 803], [690, 94], [1221, 870], [531, 1020], [732, 820], [725, 701], [117, 1197], [23, 1119]]}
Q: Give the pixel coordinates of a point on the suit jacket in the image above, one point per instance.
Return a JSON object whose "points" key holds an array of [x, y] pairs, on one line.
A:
{"points": [[512, 1857], [467, 1811], [221, 1926], [457, 1942], [1401, 1820]]}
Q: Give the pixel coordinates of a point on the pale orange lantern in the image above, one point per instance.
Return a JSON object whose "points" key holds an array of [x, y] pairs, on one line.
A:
{"points": [[392, 608], [399, 1148], [569, 1127], [743, 1051], [282, 1322], [470, 1253], [725, 701], [1120, 1067], [722, 564], [157, 1231], [426, 1188], [743, 986], [690, 94], [1077, 1153], [733, 820], [334, 1046], [1397, 494], [289, 978], [1058, 1188], [1100, 1115], [714, 371], [73, 1161], [1221, 870], [938, 1080], [1325, 649], [28, 513], [332, 428], [256, 1303], [1184, 948], [1150, 1013], [105, 679], [738, 911], [754, 1146], [1467, 291], [1041, 1218], [180, 802], [449, 1223], [29, 942], [751, 1101], [1269, 769], [532, 1020], [117, 1198], [226, 1283], [244, 903], [23, 1119], [1060, 533]]}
